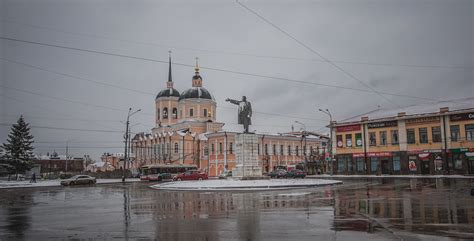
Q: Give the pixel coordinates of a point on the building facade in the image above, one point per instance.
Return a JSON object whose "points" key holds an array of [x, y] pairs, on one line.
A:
{"points": [[431, 141], [187, 132]]}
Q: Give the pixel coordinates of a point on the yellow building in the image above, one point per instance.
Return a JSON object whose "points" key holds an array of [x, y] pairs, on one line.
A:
{"points": [[423, 139]]}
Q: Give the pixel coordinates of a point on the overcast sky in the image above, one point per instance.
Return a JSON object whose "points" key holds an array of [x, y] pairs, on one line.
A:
{"points": [[420, 48]]}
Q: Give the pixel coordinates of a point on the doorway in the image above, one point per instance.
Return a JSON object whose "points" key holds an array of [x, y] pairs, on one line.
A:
{"points": [[425, 166], [385, 167]]}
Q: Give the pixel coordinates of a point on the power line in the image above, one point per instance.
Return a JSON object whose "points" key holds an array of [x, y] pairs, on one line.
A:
{"points": [[230, 52], [214, 69], [68, 129], [315, 52]]}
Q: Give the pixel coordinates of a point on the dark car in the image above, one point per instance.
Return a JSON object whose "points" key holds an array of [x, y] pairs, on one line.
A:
{"points": [[190, 175], [279, 173], [296, 173], [78, 180]]}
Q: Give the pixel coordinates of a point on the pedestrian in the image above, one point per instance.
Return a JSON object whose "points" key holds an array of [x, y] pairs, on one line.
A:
{"points": [[33, 178]]}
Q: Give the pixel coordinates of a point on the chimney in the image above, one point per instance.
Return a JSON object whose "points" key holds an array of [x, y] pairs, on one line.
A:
{"points": [[443, 109], [364, 118], [401, 114]]}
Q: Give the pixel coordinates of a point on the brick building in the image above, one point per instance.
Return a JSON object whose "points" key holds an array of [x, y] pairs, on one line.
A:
{"points": [[187, 132], [422, 139]]}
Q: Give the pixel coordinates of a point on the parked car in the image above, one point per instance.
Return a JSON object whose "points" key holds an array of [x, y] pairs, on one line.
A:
{"points": [[190, 175], [296, 173], [278, 173], [78, 180], [225, 174]]}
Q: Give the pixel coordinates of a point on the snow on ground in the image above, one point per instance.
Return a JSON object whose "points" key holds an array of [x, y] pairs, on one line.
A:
{"points": [[54, 183], [235, 184], [391, 176]]}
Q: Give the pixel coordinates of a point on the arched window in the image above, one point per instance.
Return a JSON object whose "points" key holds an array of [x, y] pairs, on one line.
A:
{"points": [[297, 151], [176, 147], [158, 114], [175, 113], [191, 112], [165, 113], [205, 112]]}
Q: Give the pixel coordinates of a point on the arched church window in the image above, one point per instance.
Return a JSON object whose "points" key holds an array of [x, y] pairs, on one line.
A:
{"points": [[205, 112], [191, 112], [176, 147], [158, 114], [175, 113], [165, 113]]}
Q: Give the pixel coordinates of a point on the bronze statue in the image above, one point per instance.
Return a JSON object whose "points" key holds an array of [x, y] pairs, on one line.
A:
{"points": [[245, 112]]}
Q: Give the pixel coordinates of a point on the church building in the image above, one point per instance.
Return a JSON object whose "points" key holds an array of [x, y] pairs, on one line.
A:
{"points": [[187, 132]]}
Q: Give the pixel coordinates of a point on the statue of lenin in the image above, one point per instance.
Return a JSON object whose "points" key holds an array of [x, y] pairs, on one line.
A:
{"points": [[245, 112]]}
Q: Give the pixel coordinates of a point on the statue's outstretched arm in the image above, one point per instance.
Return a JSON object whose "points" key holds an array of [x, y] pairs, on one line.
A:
{"points": [[235, 102]]}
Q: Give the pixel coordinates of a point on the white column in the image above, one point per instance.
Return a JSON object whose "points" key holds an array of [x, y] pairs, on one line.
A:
{"points": [[402, 135]]}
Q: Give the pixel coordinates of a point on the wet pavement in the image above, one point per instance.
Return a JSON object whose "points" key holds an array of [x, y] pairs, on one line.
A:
{"points": [[377, 209]]}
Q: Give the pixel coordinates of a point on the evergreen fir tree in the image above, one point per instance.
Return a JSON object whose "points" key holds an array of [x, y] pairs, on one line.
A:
{"points": [[18, 149]]}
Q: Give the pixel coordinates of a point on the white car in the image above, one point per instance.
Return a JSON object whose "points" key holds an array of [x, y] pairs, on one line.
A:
{"points": [[78, 180]]}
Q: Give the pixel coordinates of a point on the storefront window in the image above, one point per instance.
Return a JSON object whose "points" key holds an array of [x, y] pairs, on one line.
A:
{"points": [[411, 136], [423, 135], [436, 131], [394, 134], [396, 163], [360, 164], [348, 140], [469, 132], [457, 161], [383, 138], [374, 162], [372, 139], [341, 164], [455, 133]]}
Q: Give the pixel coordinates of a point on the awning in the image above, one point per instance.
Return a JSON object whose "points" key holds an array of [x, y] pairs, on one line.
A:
{"points": [[424, 156]]}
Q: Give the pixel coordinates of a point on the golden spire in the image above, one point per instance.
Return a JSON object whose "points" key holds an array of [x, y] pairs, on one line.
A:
{"points": [[196, 68]]}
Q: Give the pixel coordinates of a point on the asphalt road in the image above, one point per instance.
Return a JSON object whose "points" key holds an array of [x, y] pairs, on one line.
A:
{"points": [[378, 209]]}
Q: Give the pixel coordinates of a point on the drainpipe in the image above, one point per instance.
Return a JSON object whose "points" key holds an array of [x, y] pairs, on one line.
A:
{"points": [[225, 151]]}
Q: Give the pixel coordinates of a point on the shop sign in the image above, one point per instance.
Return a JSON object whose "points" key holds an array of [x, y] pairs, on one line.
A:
{"points": [[358, 137], [339, 140], [432, 151], [422, 120], [382, 124], [373, 154], [358, 155], [348, 128], [438, 163], [459, 150], [463, 116]]}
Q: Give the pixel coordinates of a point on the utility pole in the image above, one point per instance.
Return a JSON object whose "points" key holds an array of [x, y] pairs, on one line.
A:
{"points": [[125, 157], [304, 134], [327, 112]]}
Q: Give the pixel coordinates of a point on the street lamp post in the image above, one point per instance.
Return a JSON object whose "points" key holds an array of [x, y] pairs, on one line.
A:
{"points": [[305, 147], [327, 112], [125, 157]]}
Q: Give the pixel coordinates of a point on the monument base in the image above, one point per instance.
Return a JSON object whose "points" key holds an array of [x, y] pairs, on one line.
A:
{"points": [[246, 156]]}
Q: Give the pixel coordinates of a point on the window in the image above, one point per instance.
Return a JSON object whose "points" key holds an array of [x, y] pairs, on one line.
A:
{"points": [[341, 165], [289, 150], [394, 134], [469, 132], [436, 132], [212, 148], [165, 113], [297, 151], [311, 150], [339, 140], [175, 113], [220, 147], [455, 133], [348, 140], [360, 164], [266, 149], [274, 150], [383, 138], [396, 163], [281, 150], [258, 149], [423, 135], [231, 148], [191, 112], [358, 137], [372, 139], [176, 147], [411, 136], [205, 112], [374, 163], [158, 113]]}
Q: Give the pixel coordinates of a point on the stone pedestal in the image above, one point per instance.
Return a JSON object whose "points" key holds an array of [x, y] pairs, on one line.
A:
{"points": [[246, 156]]}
